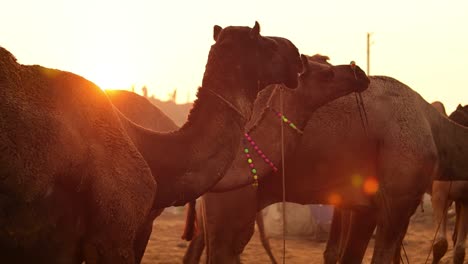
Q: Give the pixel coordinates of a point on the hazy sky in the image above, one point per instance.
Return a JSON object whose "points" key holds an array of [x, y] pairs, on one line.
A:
{"points": [[164, 44]]}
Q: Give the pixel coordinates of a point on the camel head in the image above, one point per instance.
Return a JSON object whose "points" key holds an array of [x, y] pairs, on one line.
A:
{"points": [[262, 60], [460, 115], [323, 81]]}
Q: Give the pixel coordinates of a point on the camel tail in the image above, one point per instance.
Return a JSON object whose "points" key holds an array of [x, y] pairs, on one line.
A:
{"points": [[190, 221], [263, 238]]}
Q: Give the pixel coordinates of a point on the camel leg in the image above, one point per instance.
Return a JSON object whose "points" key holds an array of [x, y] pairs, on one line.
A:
{"points": [[195, 249], [459, 251], [345, 226], [229, 223], [457, 222], [393, 221], [142, 240], [361, 227], [332, 250], [197, 244], [263, 238], [440, 204]]}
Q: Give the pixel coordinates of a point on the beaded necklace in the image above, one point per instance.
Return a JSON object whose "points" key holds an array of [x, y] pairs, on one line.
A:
{"points": [[248, 155]]}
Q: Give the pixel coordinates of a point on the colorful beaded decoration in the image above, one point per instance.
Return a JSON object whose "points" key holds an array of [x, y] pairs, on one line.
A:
{"points": [[250, 160], [287, 121], [260, 153], [252, 166]]}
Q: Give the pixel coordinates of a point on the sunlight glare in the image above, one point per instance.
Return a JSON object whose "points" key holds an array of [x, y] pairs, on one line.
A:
{"points": [[334, 199], [371, 185]]}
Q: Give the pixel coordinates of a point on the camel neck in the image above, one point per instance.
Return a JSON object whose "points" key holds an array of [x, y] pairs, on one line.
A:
{"points": [[451, 140], [187, 162], [265, 128]]}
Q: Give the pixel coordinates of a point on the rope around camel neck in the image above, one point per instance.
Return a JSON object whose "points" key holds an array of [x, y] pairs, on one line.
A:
{"points": [[283, 178]]}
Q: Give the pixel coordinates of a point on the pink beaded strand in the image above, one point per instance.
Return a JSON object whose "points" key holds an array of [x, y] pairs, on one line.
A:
{"points": [[260, 152]]}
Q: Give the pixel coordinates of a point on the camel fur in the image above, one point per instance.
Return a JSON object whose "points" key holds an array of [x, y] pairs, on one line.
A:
{"points": [[336, 81], [443, 194], [74, 187], [408, 146]]}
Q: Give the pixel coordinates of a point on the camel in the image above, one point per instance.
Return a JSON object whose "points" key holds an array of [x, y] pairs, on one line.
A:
{"points": [[443, 193], [66, 195], [141, 111], [300, 103], [381, 176], [79, 178]]}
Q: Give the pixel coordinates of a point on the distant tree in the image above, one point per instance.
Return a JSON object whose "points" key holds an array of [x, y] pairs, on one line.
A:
{"points": [[145, 91]]}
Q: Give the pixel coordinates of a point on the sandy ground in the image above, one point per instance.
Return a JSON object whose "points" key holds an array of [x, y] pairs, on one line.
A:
{"points": [[166, 246]]}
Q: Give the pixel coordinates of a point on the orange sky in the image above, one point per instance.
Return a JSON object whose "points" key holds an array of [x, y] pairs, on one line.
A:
{"points": [[164, 44]]}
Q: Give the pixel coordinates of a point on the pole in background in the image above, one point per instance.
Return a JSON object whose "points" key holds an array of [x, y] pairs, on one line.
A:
{"points": [[368, 51]]}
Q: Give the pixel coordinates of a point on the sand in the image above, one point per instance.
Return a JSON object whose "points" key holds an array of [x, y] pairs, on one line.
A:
{"points": [[166, 247]]}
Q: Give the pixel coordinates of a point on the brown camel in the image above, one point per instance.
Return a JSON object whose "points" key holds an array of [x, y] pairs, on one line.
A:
{"points": [[338, 81], [241, 199], [66, 192], [381, 176], [141, 111], [190, 164], [443, 193], [75, 188]]}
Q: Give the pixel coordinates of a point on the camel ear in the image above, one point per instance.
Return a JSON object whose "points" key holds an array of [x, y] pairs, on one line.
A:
{"points": [[255, 31], [459, 107], [216, 30], [305, 64]]}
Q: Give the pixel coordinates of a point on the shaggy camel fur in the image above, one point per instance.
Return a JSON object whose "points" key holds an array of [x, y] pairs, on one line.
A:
{"points": [[224, 208], [381, 176], [68, 169], [443, 193]]}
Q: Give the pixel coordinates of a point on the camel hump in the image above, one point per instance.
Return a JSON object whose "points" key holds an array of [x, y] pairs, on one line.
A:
{"points": [[5, 55], [8, 64], [141, 111]]}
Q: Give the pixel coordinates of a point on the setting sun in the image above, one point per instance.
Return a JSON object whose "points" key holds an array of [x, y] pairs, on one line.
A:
{"points": [[165, 46]]}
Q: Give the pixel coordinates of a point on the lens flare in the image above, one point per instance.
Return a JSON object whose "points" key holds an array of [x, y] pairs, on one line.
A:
{"points": [[357, 180], [335, 199], [371, 185]]}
